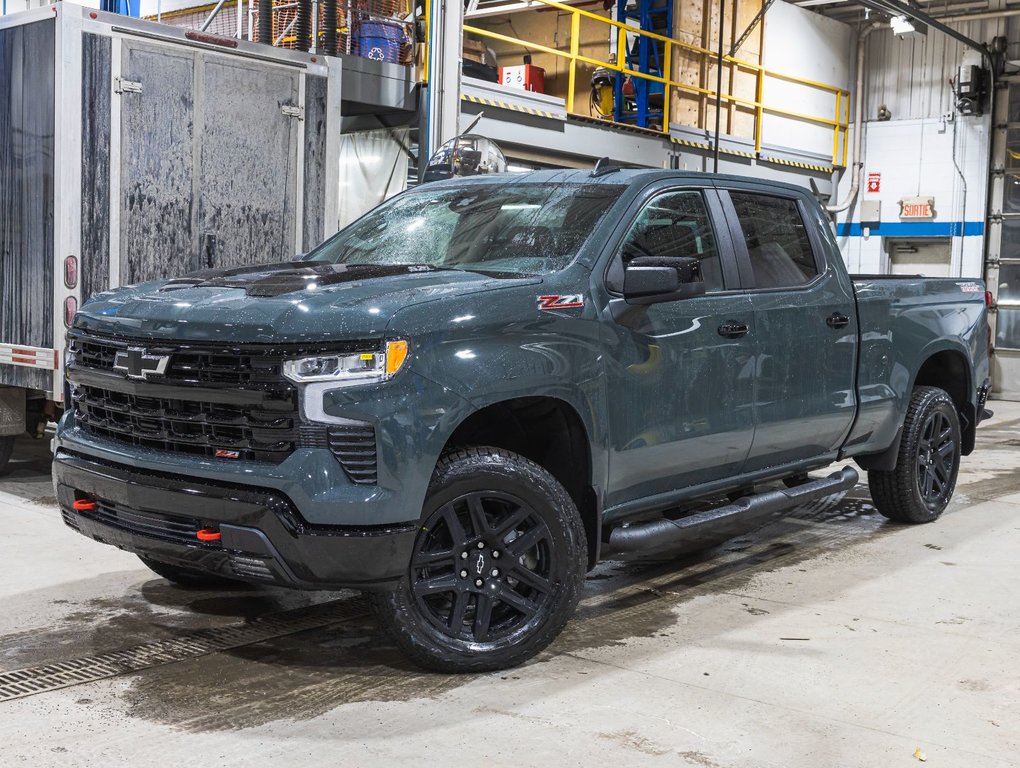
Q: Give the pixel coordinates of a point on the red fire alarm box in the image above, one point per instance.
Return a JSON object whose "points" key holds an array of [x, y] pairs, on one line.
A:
{"points": [[527, 77]]}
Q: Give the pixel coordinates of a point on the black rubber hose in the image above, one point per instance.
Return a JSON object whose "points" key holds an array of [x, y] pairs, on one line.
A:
{"points": [[265, 30], [330, 41], [303, 27]]}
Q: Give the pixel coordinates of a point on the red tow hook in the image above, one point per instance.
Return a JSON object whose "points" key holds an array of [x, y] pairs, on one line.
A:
{"points": [[85, 505], [208, 534]]}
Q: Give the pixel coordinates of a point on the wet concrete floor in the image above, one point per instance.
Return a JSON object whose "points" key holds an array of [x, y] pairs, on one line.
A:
{"points": [[827, 637]]}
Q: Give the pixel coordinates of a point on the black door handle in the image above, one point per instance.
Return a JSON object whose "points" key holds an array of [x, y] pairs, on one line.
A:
{"points": [[836, 320], [732, 329]]}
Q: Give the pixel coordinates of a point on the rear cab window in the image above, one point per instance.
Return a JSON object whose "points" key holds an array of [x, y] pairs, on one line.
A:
{"points": [[778, 245]]}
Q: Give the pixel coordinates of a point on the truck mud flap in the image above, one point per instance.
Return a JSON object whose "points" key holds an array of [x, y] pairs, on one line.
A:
{"points": [[713, 525]]}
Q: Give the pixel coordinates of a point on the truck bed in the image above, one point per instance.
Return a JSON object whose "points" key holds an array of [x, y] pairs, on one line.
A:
{"points": [[903, 321]]}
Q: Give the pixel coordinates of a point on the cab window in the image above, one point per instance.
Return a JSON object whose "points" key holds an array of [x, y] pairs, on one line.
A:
{"points": [[676, 224], [777, 240]]}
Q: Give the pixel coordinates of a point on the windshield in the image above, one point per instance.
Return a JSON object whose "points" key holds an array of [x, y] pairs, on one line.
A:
{"points": [[508, 229]]}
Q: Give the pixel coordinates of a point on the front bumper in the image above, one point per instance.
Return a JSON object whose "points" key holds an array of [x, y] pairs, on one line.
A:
{"points": [[263, 537]]}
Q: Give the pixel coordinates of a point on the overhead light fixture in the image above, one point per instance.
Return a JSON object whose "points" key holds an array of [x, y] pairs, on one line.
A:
{"points": [[903, 27]]}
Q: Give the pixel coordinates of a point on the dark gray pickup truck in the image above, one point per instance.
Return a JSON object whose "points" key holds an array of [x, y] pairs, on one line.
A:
{"points": [[462, 401]]}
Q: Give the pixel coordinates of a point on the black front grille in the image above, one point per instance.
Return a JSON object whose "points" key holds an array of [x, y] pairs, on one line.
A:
{"points": [[256, 433], [203, 364], [91, 353], [176, 417], [179, 530], [354, 447]]}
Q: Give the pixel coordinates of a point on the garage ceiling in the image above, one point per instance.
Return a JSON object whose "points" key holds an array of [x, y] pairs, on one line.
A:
{"points": [[851, 11]]}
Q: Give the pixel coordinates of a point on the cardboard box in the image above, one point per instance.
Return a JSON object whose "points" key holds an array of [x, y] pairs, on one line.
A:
{"points": [[474, 50]]}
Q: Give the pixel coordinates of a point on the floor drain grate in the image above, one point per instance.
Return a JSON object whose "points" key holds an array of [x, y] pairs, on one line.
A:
{"points": [[50, 677]]}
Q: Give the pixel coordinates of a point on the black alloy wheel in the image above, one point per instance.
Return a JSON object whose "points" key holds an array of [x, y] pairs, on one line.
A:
{"points": [[920, 486], [482, 568], [937, 457], [496, 569]]}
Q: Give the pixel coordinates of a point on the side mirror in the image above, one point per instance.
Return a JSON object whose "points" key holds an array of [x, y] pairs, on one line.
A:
{"points": [[655, 279]]}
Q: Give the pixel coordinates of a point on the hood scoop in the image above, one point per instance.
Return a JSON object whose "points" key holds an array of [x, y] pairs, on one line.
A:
{"points": [[270, 280]]}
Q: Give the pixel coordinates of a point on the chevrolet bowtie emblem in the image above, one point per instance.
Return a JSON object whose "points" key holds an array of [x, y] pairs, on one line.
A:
{"points": [[138, 365]]}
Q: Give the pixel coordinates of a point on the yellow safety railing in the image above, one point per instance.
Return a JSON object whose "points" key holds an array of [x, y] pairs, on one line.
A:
{"points": [[423, 77], [838, 120]]}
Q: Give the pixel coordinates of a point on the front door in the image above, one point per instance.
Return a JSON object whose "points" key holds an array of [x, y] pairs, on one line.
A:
{"points": [[680, 383]]}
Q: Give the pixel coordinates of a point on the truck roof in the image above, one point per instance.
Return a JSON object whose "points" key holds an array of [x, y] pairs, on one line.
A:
{"points": [[626, 176]]}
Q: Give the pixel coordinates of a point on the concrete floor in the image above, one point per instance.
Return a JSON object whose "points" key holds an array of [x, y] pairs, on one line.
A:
{"points": [[828, 638]]}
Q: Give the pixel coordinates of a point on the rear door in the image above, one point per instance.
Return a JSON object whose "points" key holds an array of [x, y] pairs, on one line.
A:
{"points": [[154, 92], [208, 158], [680, 380], [248, 158], [806, 327]]}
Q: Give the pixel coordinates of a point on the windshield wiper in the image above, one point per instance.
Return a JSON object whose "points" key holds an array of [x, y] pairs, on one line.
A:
{"points": [[477, 270], [439, 268]]}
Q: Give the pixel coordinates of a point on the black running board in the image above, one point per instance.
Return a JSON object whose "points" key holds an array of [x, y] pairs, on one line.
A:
{"points": [[714, 525]]}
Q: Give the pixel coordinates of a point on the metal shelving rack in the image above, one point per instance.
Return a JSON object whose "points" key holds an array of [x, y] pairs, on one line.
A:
{"points": [[646, 55]]}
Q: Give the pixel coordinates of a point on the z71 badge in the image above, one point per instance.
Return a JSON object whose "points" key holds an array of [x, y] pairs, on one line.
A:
{"points": [[571, 301]]}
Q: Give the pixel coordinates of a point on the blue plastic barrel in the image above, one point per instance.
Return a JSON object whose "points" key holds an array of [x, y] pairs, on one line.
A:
{"points": [[380, 40]]}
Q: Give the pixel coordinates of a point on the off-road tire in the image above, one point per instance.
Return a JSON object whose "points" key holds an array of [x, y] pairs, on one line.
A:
{"points": [[516, 598], [919, 488], [187, 578], [6, 450]]}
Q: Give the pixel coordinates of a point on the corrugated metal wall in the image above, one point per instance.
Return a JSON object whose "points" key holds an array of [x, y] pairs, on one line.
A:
{"points": [[911, 76]]}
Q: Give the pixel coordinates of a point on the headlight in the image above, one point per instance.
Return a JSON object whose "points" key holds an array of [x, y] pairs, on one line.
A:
{"points": [[348, 370]]}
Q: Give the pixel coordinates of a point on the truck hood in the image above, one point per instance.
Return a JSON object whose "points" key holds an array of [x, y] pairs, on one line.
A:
{"points": [[277, 303]]}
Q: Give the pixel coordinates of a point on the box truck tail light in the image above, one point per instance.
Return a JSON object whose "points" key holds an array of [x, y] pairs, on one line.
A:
{"points": [[70, 308], [70, 272]]}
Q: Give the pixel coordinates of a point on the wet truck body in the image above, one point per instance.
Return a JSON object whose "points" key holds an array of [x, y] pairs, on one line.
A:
{"points": [[466, 398]]}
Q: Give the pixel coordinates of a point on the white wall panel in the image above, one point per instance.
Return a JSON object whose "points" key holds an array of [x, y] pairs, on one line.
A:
{"points": [[915, 158], [807, 45]]}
